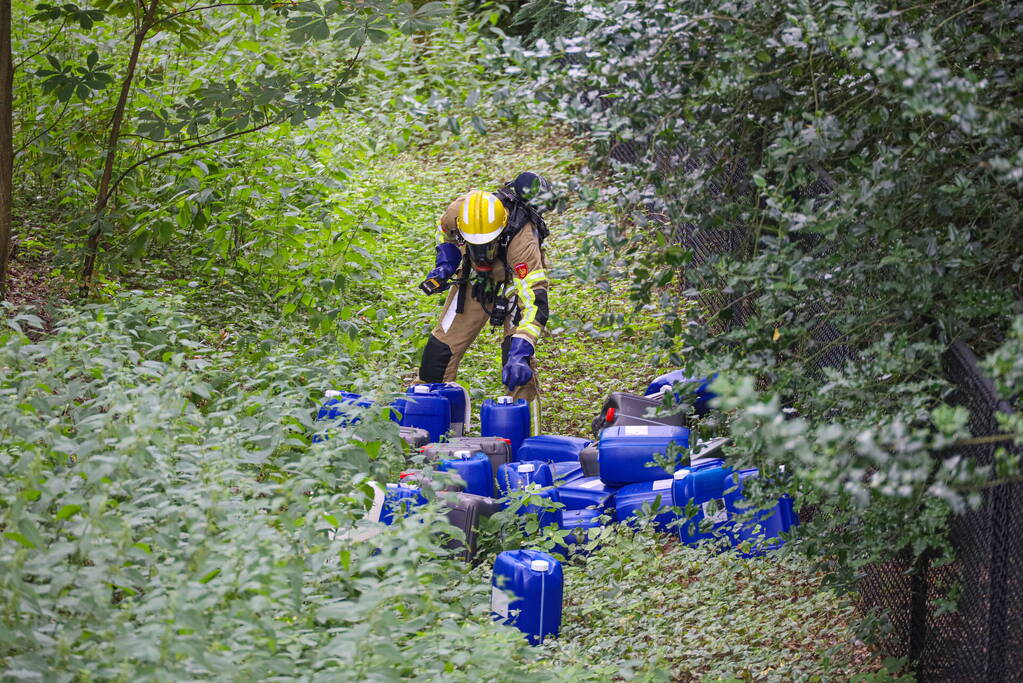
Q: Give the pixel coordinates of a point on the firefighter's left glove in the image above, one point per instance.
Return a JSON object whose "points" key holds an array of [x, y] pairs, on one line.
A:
{"points": [[516, 369], [448, 260]]}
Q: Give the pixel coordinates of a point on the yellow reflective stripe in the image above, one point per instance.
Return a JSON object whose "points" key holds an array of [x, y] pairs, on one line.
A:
{"points": [[528, 301], [528, 328], [534, 277]]}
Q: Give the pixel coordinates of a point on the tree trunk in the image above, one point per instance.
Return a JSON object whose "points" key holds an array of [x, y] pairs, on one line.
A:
{"points": [[6, 140], [103, 193]]}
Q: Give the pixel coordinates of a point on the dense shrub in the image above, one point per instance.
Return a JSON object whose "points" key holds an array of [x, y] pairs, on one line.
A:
{"points": [[166, 517]]}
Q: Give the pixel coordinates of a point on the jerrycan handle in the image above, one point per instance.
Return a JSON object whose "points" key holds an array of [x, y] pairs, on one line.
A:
{"points": [[421, 389]]}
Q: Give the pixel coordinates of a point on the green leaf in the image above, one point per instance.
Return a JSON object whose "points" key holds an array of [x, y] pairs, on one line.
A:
{"points": [[67, 511]]}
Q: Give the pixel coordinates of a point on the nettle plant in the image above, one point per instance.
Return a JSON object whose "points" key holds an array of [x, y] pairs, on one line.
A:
{"points": [[167, 517], [838, 188]]}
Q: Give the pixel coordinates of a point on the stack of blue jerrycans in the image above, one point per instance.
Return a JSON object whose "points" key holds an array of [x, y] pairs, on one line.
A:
{"points": [[527, 587], [709, 495], [430, 411]]}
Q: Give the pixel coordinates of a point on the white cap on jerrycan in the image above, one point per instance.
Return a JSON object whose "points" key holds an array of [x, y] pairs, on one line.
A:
{"points": [[420, 389], [505, 400], [539, 565], [463, 455], [526, 467], [681, 474]]}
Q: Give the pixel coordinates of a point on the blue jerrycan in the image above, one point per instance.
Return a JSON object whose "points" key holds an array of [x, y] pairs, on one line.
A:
{"points": [[630, 499], [343, 406], [506, 418], [426, 410], [459, 403], [626, 453], [586, 493], [535, 583], [515, 476], [705, 487], [474, 468], [565, 472], [763, 531], [338, 406], [550, 448], [399, 500]]}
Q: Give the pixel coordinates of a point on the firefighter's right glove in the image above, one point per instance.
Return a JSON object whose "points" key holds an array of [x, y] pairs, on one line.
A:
{"points": [[516, 370], [448, 260]]}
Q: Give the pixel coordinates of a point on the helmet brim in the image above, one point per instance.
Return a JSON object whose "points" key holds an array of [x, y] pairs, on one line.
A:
{"points": [[481, 238]]}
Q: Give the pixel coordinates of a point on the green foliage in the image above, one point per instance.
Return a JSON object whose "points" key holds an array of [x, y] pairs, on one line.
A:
{"points": [[831, 306], [661, 611], [167, 517]]}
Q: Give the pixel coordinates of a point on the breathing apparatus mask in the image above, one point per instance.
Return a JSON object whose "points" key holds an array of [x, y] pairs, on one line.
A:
{"points": [[482, 256]]}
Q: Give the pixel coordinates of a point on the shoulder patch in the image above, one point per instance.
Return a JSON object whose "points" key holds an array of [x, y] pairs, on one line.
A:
{"points": [[521, 269]]}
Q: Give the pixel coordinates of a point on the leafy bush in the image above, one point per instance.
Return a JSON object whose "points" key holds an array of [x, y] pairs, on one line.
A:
{"points": [[167, 518]]}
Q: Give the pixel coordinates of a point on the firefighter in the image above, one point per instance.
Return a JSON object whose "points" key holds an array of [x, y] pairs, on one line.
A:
{"points": [[490, 261]]}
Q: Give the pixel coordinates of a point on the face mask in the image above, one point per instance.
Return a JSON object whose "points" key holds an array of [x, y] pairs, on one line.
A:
{"points": [[482, 256]]}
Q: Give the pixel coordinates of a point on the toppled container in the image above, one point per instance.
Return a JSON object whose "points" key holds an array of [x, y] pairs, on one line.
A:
{"points": [[550, 448], [586, 493], [706, 489], [506, 418], [709, 450], [527, 588], [621, 409], [565, 471], [426, 410], [579, 523], [460, 406], [589, 460], [498, 450], [630, 499], [474, 469], [763, 532], [626, 454], [704, 395]]}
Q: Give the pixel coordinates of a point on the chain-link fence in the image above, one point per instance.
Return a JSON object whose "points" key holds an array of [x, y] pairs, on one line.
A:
{"points": [[961, 621]]}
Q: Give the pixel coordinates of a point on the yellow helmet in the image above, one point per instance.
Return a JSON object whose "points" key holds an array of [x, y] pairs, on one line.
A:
{"points": [[481, 218]]}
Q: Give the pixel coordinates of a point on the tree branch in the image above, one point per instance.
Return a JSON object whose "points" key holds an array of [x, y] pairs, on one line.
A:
{"points": [[46, 45], [204, 7], [45, 131], [187, 148]]}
